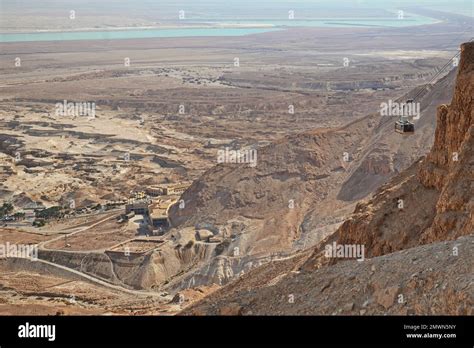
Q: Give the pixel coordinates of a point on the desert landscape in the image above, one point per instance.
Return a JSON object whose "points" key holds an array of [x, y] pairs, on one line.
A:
{"points": [[207, 174]]}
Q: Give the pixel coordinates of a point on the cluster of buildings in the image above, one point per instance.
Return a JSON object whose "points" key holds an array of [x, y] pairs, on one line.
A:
{"points": [[152, 203], [167, 189], [154, 211]]}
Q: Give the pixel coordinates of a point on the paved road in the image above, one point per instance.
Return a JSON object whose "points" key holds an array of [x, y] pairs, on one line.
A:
{"points": [[99, 281], [42, 245]]}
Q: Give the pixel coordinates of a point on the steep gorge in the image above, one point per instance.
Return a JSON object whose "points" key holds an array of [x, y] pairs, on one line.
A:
{"points": [[434, 199], [417, 231]]}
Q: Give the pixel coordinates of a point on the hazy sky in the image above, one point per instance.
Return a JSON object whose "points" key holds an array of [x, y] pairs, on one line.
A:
{"points": [[229, 7]]}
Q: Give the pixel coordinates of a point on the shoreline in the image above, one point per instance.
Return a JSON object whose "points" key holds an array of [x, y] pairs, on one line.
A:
{"points": [[137, 28], [224, 25]]}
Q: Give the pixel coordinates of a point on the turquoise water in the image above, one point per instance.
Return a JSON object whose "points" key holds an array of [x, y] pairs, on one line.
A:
{"points": [[206, 32], [129, 34], [409, 20]]}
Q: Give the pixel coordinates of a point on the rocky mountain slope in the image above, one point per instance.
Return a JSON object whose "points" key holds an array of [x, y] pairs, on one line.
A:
{"points": [[305, 185], [287, 202], [424, 280], [409, 266], [434, 199]]}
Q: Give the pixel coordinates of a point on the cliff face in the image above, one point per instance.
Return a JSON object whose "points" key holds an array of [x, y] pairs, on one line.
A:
{"points": [[434, 199], [417, 232], [308, 171]]}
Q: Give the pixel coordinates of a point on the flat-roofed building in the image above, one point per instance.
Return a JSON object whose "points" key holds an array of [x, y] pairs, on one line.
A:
{"points": [[139, 208], [177, 189], [167, 189], [159, 217], [155, 191], [159, 220]]}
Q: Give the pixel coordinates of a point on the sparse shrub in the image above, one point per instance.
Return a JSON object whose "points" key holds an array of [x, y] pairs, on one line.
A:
{"points": [[50, 213], [5, 209], [19, 216], [221, 247], [39, 223]]}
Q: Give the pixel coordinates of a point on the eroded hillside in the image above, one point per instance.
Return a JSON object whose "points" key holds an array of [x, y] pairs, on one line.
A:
{"points": [[434, 199], [409, 267], [305, 185]]}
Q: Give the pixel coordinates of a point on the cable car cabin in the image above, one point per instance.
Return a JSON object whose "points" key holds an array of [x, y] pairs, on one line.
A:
{"points": [[404, 127]]}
